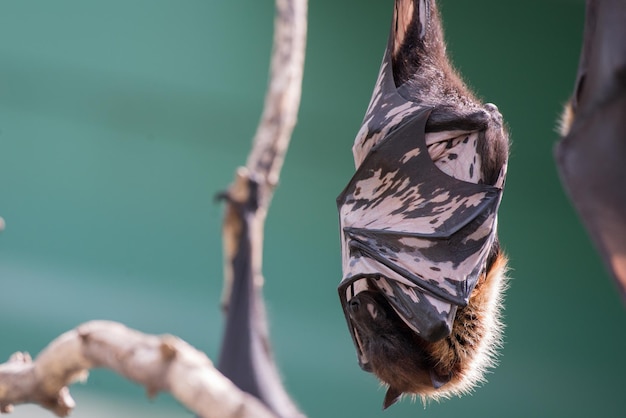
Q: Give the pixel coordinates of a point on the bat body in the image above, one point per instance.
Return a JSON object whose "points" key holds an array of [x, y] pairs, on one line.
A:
{"points": [[246, 357], [592, 154], [422, 267]]}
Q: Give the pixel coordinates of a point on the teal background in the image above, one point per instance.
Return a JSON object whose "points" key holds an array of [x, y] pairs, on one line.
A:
{"points": [[120, 120]]}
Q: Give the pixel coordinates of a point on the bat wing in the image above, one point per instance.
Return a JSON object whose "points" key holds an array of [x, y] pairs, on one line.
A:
{"points": [[592, 156], [592, 163], [417, 234]]}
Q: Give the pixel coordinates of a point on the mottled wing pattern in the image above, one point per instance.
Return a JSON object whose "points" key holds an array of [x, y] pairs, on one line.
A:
{"points": [[387, 109], [400, 215]]}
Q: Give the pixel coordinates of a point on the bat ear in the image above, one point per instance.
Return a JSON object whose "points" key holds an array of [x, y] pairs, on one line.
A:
{"points": [[391, 397]]}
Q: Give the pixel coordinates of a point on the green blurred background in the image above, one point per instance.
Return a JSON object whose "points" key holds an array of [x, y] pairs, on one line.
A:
{"points": [[120, 120]]}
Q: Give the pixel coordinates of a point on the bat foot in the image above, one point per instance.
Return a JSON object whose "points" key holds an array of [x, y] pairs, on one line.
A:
{"points": [[491, 108], [494, 113]]}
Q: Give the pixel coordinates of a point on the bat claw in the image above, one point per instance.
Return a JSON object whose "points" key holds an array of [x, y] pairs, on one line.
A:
{"points": [[491, 108], [493, 112]]}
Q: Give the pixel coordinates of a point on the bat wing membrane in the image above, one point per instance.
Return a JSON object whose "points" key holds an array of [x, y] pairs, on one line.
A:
{"points": [[402, 212], [415, 233]]}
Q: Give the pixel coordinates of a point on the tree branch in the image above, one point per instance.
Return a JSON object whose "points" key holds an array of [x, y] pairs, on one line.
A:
{"points": [[273, 134], [160, 363]]}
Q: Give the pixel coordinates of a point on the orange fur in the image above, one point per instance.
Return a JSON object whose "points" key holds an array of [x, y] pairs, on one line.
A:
{"points": [[476, 335], [407, 363], [566, 120]]}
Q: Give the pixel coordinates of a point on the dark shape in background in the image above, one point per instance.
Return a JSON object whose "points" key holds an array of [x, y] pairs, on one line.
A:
{"points": [[592, 155]]}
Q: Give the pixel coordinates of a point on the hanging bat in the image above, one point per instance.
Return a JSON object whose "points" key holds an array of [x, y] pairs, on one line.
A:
{"points": [[246, 356], [591, 157], [423, 272]]}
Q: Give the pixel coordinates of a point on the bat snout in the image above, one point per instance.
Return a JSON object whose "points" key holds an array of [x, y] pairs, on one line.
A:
{"points": [[364, 306]]}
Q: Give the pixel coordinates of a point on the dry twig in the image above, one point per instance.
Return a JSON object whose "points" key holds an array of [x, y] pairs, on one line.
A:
{"points": [[160, 363]]}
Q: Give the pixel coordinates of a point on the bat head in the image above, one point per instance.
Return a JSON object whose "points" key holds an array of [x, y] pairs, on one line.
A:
{"points": [[407, 363], [398, 356]]}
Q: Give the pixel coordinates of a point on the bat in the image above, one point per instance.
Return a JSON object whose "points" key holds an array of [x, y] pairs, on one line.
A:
{"points": [[245, 356], [423, 271], [591, 156]]}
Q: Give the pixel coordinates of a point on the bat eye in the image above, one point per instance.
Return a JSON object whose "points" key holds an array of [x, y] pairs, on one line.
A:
{"points": [[355, 304]]}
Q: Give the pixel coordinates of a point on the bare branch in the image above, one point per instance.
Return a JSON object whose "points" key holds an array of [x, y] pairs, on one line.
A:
{"points": [[273, 134], [283, 94], [160, 363], [251, 365]]}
